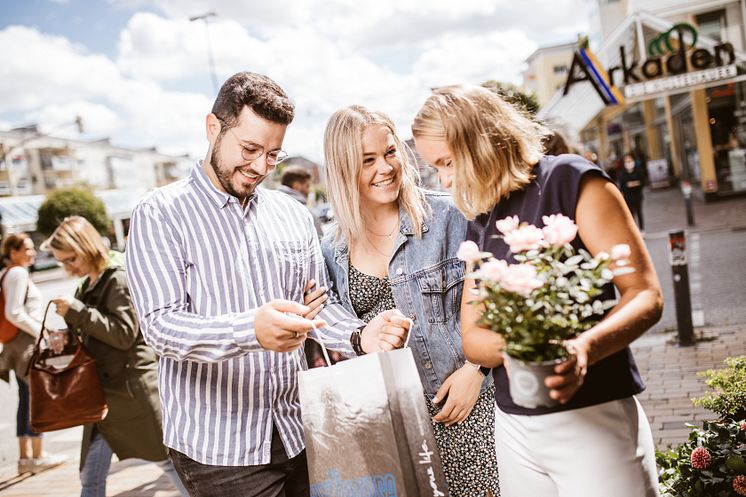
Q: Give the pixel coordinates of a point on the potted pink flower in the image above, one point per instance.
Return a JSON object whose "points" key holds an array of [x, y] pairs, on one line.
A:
{"points": [[549, 296]]}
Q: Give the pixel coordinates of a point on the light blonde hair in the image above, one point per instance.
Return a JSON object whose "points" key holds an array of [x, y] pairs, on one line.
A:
{"points": [[494, 146], [76, 234], [343, 152]]}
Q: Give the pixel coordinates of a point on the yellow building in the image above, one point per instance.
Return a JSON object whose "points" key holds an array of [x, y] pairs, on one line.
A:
{"points": [[667, 84], [547, 70]]}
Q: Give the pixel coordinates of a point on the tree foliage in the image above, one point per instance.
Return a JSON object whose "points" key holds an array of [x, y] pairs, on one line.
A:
{"points": [[514, 95], [72, 202]]}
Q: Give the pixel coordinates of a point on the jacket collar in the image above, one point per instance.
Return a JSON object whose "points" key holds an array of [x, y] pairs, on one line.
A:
{"points": [[405, 223], [406, 228]]}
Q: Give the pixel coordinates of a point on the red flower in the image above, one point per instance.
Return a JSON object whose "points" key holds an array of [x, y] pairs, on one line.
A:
{"points": [[739, 484], [700, 458], [743, 426]]}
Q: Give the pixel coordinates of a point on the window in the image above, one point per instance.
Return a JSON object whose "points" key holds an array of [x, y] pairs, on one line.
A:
{"points": [[712, 24], [560, 69]]}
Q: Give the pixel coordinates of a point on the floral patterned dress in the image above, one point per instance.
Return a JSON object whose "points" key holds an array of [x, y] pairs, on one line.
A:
{"points": [[467, 449]]}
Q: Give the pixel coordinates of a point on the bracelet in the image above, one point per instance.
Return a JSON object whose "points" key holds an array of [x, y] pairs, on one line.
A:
{"points": [[482, 369], [355, 341]]}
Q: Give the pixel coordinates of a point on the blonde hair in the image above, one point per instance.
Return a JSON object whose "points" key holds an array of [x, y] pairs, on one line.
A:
{"points": [[494, 146], [76, 234], [343, 152]]}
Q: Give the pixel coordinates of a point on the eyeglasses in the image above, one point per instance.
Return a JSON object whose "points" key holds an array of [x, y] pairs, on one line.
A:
{"points": [[252, 151]]}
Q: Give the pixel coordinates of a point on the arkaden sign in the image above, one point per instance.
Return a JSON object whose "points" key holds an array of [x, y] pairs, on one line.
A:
{"points": [[673, 63]]}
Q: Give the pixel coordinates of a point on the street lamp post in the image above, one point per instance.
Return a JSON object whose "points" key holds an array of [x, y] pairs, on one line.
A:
{"points": [[204, 17], [78, 121]]}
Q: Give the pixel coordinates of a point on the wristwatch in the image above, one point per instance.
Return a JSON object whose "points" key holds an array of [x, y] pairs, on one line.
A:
{"points": [[355, 340]]}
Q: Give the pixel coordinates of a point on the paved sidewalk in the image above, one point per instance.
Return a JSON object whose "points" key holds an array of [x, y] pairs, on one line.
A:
{"points": [[129, 478], [668, 370]]}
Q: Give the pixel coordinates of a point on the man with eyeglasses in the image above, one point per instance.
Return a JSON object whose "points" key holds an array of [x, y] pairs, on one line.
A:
{"points": [[217, 267]]}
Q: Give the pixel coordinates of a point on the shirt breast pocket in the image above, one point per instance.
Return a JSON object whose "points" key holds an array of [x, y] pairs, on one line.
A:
{"points": [[441, 287], [293, 266]]}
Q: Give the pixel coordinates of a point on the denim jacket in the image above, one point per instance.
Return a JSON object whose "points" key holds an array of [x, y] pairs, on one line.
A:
{"points": [[426, 281]]}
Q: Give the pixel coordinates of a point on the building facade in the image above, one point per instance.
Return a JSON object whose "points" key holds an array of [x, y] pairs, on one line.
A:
{"points": [[668, 84], [33, 164], [547, 70]]}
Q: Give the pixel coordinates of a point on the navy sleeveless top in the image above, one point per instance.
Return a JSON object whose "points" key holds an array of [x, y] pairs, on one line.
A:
{"points": [[555, 190]]}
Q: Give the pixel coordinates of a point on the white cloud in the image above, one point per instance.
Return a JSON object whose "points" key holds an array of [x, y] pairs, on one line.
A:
{"points": [[58, 118], [50, 81], [325, 53]]}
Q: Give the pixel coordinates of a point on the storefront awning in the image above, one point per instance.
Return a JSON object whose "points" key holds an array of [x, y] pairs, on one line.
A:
{"points": [[20, 213]]}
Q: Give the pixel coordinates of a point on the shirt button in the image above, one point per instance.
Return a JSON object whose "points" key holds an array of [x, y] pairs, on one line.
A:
{"points": [[399, 271], [428, 365]]}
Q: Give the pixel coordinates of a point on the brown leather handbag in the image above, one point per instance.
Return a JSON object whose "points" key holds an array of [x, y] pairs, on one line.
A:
{"points": [[64, 393]]}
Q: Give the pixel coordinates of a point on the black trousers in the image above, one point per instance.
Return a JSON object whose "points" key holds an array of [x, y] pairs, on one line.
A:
{"points": [[634, 202], [282, 477]]}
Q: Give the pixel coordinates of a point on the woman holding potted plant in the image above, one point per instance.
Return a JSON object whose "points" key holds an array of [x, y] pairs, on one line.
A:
{"points": [[596, 440]]}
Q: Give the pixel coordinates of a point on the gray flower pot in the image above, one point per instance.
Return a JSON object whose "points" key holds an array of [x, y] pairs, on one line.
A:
{"points": [[526, 381]]}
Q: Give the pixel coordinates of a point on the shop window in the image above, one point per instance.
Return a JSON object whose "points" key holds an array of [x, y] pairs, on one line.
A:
{"points": [[712, 24], [726, 106]]}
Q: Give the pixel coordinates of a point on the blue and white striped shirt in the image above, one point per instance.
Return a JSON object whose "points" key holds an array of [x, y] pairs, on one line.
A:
{"points": [[199, 266]]}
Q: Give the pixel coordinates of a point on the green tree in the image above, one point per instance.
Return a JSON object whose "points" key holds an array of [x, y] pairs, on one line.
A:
{"points": [[515, 95], [72, 202]]}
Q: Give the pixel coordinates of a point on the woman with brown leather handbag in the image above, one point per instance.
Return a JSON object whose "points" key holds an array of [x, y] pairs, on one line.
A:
{"points": [[21, 324], [101, 315]]}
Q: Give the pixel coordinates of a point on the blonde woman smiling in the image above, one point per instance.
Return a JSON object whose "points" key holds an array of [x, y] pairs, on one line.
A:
{"points": [[395, 246]]}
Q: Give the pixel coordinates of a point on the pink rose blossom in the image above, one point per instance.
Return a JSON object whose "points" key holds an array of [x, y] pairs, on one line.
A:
{"points": [[469, 252], [558, 229], [520, 278], [527, 237], [620, 252], [507, 225], [493, 269]]}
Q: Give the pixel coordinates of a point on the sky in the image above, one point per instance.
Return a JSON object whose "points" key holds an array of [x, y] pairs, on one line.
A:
{"points": [[138, 72]]}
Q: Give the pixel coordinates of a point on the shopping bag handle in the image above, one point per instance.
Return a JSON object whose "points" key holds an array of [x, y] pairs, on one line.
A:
{"points": [[323, 347], [409, 333]]}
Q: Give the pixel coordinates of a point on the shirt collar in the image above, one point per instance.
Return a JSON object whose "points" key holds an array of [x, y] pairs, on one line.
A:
{"points": [[220, 198]]}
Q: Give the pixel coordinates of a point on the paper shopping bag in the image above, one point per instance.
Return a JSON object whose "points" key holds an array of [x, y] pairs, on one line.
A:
{"points": [[368, 431]]}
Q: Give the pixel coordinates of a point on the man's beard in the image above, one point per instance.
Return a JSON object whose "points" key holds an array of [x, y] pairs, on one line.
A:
{"points": [[224, 176]]}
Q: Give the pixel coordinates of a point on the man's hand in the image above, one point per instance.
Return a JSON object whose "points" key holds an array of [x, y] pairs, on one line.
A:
{"points": [[386, 331], [461, 391], [279, 327]]}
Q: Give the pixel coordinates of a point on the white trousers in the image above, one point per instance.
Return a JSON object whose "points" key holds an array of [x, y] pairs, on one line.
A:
{"points": [[604, 450]]}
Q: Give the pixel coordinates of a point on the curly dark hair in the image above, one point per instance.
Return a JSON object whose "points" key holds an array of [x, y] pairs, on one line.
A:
{"points": [[259, 93]]}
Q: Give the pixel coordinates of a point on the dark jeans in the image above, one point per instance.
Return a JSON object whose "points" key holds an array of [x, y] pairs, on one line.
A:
{"points": [[282, 477], [23, 415]]}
